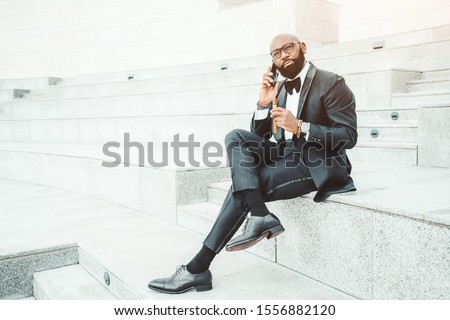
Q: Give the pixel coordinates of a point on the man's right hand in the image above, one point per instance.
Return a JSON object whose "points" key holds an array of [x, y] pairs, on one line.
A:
{"points": [[268, 92]]}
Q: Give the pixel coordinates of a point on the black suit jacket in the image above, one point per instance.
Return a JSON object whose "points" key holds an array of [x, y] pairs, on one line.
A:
{"points": [[329, 105]]}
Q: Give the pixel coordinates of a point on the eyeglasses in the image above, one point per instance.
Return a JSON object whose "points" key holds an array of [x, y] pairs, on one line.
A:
{"points": [[288, 48]]}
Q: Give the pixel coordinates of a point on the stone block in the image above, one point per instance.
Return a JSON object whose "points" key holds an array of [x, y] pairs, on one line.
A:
{"points": [[410, 259], [327, 242], [434, 135], [16, 271], [192, 185]]}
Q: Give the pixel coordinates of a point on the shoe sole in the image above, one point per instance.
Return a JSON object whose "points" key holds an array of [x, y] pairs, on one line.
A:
{"points": [[205, 287], [269, 234]]}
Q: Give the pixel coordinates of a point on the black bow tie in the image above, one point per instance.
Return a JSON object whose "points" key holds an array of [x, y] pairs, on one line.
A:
{"points": [[293, 84]]}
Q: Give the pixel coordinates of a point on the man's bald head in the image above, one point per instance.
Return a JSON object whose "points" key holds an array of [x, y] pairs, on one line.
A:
{"points": [[281, 39]]}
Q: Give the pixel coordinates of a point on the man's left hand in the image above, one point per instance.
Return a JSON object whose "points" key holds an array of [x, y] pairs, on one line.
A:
{"points": [[284, 119]]}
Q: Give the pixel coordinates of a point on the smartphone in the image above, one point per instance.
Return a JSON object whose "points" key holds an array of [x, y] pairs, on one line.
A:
{"points": [[274, 70]]}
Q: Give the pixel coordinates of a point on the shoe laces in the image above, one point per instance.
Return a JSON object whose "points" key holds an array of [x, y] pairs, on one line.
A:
{"points": [[179, 270], [247, 219]]}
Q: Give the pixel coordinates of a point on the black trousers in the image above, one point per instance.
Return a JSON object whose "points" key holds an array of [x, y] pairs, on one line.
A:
{"points": [[257, 163]]}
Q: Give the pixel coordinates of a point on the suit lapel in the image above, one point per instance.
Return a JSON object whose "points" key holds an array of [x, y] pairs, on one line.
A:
{"points": [[305, 88], [282, 95]]}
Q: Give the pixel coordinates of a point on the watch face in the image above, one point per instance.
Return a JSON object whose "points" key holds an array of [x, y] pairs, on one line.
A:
{"points": [[305, 127]]}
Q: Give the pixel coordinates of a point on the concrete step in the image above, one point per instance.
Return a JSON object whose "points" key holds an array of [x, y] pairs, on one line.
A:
{"points": [[29, 83], [227, 78], [237, 99], [198, 217], [154, 129], [217, 191], [387, 115], [106, 277], [258, 62], [417, 99], [82, 169], [68, 283], [443, 74], [396, 41], [152, 253], [382, 151], [10, 94], [398, 57], [389, 131], [428, 85]]}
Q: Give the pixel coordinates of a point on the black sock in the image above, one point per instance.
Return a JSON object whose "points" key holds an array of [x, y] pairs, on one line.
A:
{"points": [[255, 202], [201, 261]]}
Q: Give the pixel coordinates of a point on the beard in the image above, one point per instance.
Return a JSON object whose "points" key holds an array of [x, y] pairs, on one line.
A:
{"points": [[293, 69]]}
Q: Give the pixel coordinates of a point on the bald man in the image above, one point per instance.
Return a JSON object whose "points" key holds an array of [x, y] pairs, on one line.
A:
{"points": [[316, 123]]}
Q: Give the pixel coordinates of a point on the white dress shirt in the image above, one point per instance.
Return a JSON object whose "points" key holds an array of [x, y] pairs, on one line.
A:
{"points": [[293, 99]]}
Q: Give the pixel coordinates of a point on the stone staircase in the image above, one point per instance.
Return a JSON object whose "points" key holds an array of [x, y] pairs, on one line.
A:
{"points": [[100, 108], [391, 134], [100, 250]]}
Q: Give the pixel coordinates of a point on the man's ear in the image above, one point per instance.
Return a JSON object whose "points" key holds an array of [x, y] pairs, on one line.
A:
{"points": [[303, 47]]}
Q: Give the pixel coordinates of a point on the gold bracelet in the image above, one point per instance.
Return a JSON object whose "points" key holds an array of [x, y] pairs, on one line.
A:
{"points": [[298, 129]]}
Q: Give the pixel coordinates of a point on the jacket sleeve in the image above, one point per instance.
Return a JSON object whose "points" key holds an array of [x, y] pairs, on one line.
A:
{"points": [[339, 104], [261, 123]]}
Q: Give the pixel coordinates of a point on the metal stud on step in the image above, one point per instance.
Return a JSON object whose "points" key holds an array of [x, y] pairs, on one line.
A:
{"points": [[394, 115], [374, 133], [107, 278]]}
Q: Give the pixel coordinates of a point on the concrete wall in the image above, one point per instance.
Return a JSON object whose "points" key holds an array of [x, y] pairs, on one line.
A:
{"points": [[65, 37], [364, 19]]}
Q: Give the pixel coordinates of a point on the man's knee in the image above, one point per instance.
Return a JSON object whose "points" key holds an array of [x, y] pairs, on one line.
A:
{"points": [[235, 135]]}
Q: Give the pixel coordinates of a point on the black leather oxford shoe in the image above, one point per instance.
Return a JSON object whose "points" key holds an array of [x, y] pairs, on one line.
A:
{"points": [[256, 229], [182, 280]]}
